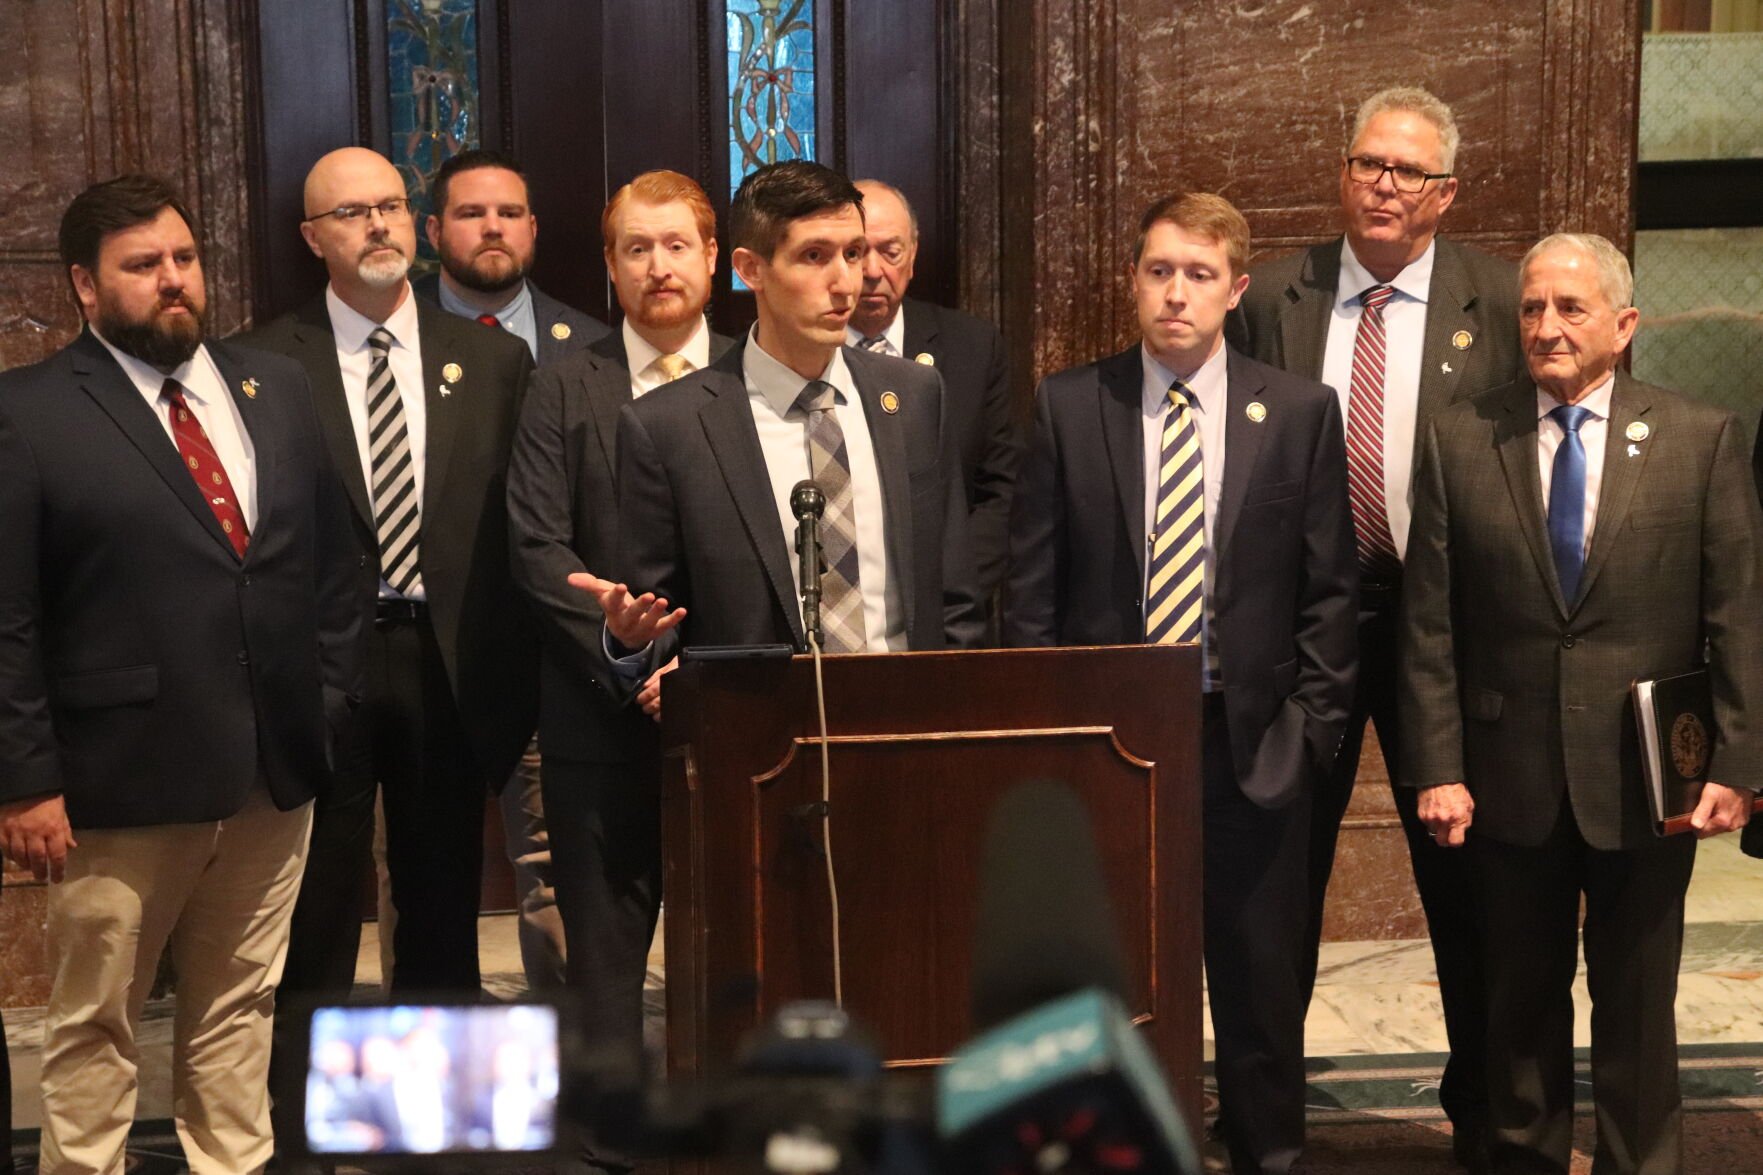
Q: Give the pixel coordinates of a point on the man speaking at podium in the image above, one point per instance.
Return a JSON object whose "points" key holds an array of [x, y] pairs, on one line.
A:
{"points": [[706, 463]]}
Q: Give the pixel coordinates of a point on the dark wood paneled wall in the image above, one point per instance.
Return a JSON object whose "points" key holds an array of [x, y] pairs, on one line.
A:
{"points": [[1106, 106]]}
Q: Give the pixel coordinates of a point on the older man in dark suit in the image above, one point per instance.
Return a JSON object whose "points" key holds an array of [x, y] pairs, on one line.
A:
{"points": [[181, 615], [601, 780], [1573, 532], [418, 409], [1179, 491], [706, 465], [968, 352], [1400, 322]]}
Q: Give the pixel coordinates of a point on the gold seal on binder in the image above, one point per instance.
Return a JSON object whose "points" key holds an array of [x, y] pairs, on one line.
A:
{"points": [[1689, 746]]}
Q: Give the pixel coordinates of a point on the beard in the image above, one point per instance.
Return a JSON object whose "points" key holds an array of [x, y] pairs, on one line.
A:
{"points": [[666, 315], [161, 342], [382, 270], [474, 274]]}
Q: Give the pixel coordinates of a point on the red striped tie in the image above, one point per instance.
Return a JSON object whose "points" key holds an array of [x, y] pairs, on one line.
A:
{"points": [[1378, 560], [205, 467]]}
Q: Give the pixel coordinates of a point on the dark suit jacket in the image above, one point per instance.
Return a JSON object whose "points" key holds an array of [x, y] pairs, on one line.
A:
{"points": [[147, 673], [549, 316], [1283, 320], [563, 518], [1284, 584], [977, 423], [486, 636], [1521, 694], [699, 526]]}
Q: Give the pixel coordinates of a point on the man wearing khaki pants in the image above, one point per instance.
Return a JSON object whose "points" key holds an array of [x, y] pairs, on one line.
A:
{"points": [[178, 643]]}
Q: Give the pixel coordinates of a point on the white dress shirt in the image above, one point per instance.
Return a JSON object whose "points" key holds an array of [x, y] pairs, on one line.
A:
{"points": [[641, 355], [895, 336], [1404, 320], [772, 389], [355, 358], [1209, 386], [215, 410], [1594, 431]]}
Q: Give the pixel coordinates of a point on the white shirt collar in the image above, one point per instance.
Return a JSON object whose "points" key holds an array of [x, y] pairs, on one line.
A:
{"points": [[779, 385], [351, 327], [640, 353], [1207, 383], [1413, 282], [895, 334], [1596, 401], [149, 379]]}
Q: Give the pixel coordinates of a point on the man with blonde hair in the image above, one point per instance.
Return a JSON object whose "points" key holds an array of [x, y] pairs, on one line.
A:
{"points": [[1400, 322], [1575, 531], [1180, 491]]}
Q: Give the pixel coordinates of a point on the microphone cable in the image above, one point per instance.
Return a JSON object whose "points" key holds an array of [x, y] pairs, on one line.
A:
{"points": [[826, 822]]}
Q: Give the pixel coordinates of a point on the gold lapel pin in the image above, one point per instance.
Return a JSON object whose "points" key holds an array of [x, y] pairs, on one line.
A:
{"points": [[452, 373], [1637, 431], [890, 403], [1256, 411], [1462, 339], [249, 387], [560, 331], [926, 358]]}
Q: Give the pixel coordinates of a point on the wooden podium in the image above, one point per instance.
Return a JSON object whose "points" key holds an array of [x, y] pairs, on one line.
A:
{"points": [[922, 745]]}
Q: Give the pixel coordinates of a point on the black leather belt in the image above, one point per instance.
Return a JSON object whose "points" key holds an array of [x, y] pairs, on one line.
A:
{"points": [[400, 611]]}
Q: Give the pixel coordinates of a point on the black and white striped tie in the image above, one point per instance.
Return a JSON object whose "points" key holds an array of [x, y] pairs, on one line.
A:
{"points": [[396, 515]]}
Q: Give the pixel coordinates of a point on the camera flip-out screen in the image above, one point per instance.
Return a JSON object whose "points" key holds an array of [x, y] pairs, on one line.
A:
{"points": [[422, 1079]]}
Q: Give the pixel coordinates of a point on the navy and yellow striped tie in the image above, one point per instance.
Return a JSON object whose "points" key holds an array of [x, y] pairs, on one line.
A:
{"points": [[1175, 593]]}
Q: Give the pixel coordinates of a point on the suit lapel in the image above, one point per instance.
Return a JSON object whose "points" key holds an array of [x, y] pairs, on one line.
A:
{"points": [[1242, 448], [1303, 328], [256, 417], [1449, 300], [727, 421], [1628, 405], [889, 444], [438, 340], [607, 390], [922, 324], [110, 387], [1122, 405], [316, 349], [1516, 436]]}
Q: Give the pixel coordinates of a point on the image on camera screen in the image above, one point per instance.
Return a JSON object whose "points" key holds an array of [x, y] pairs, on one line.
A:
{"points": [[428, 1079]]}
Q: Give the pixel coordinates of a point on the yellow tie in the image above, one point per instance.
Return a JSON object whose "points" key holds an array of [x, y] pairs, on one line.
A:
{"points": [[673, 366]]}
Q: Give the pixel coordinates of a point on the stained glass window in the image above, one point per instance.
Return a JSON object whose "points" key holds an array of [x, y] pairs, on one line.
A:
{"points": [[432, 83], [770, 83]]}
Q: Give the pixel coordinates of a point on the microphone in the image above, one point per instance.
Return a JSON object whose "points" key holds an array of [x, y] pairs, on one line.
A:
{"points": [[808, 503], [1060, 1079]]}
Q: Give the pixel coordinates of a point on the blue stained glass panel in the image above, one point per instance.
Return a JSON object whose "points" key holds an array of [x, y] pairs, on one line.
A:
{"points": [[432, 84], [771, 84]]}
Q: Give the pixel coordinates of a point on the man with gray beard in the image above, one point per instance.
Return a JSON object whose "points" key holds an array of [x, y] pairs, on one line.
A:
{"points": [[417, 407]]}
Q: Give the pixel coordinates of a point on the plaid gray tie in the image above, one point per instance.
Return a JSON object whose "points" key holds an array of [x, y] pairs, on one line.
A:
{"points": [[841, 597], [879, 344]]}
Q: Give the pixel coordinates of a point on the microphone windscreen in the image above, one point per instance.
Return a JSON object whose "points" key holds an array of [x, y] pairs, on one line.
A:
{"points": [[1045, 925], [806, 498]]}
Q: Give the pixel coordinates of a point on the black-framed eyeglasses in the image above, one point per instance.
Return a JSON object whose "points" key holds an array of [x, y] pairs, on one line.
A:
{"points": [[1363, 169], [397, 208]]}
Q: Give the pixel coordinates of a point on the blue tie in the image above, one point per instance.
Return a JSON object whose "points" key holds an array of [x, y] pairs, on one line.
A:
{"points": [[1567, 500]]}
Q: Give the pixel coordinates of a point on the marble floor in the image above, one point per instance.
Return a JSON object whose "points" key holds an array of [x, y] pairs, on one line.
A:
{"points": [[1371, 998]]}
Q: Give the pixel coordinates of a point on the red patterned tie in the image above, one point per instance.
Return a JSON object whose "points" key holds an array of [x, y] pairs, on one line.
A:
{"points": [[204, 465], [1378, 560], [489, 320]]}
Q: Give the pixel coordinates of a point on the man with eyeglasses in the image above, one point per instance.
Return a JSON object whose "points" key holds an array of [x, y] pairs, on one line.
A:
{"points": [[1401, 323], [418, 409]]}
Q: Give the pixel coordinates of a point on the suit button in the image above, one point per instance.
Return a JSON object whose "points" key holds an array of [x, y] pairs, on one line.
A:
{"points": [[247, 581], [244, 657], [361, 562], [1568, 641]]}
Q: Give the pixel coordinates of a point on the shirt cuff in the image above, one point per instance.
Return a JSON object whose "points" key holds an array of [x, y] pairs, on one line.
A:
{"points": [[625, 663]]}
